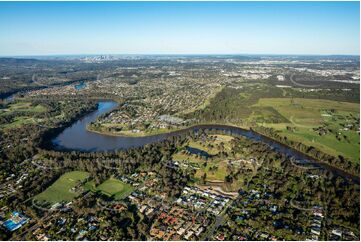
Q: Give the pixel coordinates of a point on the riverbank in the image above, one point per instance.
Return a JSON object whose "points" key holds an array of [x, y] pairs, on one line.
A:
{"points": [[89, 141], [130, 133], [175, 131]]}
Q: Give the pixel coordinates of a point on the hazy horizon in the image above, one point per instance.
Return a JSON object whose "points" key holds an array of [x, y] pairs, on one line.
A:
{"points": [[179, 28], [172, 54]]}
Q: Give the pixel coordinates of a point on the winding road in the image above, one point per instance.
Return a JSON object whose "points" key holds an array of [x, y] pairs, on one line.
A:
{"points": [[300, 84]]}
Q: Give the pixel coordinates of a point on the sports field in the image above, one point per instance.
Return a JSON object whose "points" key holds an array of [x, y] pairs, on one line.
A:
{"points": [[115, 187], [61, 189], [306, 114]]}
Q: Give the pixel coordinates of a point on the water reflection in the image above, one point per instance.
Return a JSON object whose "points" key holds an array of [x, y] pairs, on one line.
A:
{"points": [[77, 137]]}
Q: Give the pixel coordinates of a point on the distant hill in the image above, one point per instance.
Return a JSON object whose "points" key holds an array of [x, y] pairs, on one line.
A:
{"points": [[8, 60]]}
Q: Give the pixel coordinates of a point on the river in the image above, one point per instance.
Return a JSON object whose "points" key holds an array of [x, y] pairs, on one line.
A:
{"points": [[77, 137]]}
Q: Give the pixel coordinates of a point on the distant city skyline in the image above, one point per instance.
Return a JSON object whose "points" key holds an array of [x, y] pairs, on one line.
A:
{"points": [[148, 28]]}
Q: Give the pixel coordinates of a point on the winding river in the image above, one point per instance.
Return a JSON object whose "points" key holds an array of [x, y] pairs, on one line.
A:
{"points": [[77, 137]]}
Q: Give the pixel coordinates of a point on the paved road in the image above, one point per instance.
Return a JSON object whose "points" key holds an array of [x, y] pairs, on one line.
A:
{"points": [[220, 219], [299, 84]]}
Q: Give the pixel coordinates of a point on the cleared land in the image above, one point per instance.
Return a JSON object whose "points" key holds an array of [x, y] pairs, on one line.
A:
{"points": [[24, 113], [306, 114], [300, 119], [23, 107], [218, 144], [61, 190], [215, 167], [216, 171], [180, 157]]}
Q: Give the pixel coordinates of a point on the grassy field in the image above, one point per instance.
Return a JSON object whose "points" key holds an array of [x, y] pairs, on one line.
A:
{"points": [[23, 107], [214, 167], [215, 146], [115, 187], [185, 157], [213, 175], [216, 171], [212, 146], [265, 105], [26, 117], [217, 174], [200, 145], [18, 121], [224, 140], [61, 189], [306, 114]]}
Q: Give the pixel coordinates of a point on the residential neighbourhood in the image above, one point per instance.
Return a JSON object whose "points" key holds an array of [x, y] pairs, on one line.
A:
{"points": [[180, 121]]}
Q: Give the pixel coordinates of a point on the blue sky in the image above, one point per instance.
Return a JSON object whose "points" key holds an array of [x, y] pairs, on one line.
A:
{"points": [[43, 28]]}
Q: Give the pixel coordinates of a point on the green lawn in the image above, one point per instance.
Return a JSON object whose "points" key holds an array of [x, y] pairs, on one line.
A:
{"points": [[61, 189], [115, 187], [306, 114]]}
